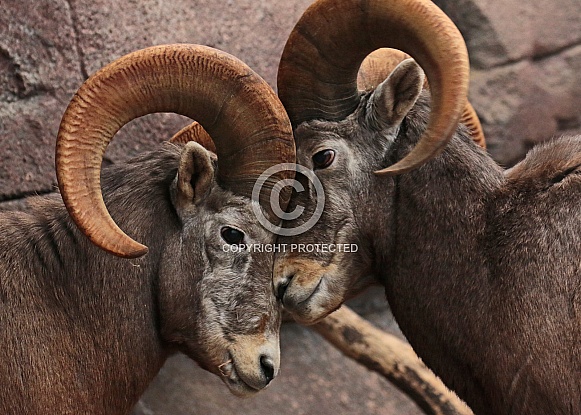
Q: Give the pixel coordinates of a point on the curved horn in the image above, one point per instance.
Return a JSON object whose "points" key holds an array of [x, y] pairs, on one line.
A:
{"points": [[239, 110], [317, 75], [471, 120], [194, 132], [377, 66]]}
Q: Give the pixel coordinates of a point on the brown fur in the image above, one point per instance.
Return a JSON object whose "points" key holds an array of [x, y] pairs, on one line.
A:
{"points": [[481, 267], [84, 332]]}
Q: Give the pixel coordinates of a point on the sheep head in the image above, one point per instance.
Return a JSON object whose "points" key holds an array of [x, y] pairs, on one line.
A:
{"points": [[215, 305], [345, 137]]}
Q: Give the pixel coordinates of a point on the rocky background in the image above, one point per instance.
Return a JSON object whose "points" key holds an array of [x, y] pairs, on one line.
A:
{"points": [[526, 88]]}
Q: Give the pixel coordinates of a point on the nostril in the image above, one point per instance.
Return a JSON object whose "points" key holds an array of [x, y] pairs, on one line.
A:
{"points": [[267, 368], [281, 289]]}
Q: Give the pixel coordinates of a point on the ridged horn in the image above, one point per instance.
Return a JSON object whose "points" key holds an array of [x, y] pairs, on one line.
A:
{"points": [[470, 119], [194, 132], [234, 105], [377, 66], [317, 77]]}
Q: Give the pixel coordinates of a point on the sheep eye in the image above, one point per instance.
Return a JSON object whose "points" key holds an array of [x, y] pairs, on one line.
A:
{"points": [[231, 235], [323, 159]]}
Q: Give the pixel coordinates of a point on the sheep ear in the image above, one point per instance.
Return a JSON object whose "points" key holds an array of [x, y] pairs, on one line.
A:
{"points": [[194, 178], [394, 97]]}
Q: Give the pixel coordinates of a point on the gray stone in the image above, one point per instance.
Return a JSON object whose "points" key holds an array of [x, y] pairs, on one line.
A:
{"points": [[498, 31], [47, 48], [523, 55], [527, 102], [39, 70]]}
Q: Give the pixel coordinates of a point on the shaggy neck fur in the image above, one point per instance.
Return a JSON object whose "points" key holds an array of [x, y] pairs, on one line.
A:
{"points": [[474, 304], [79, 326]]}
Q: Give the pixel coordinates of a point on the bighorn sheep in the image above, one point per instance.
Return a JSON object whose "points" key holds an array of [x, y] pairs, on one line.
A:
{"points": [[83, 331], [481, 266], [379, 351]]}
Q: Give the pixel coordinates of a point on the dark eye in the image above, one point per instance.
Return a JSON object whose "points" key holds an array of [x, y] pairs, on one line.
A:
{"points": [[231, 235], [323, 159]]}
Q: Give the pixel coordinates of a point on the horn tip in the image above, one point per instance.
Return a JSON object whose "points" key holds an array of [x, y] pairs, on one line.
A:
{"points": [[393, 170], [132, 251], [417, 158]]}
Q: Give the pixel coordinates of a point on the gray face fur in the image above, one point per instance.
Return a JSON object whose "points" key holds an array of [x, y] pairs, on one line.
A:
{"points": [[217, 305], [236, 332]]}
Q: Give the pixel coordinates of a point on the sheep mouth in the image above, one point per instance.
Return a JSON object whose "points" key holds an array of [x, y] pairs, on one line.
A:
{"points": [[229, 375], [297, 299], [313, 308], [312, 296]]}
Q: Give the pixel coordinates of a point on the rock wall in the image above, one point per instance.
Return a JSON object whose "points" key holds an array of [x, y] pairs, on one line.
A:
{"points": [[525, 86], [526, 69], [48, 47]]}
